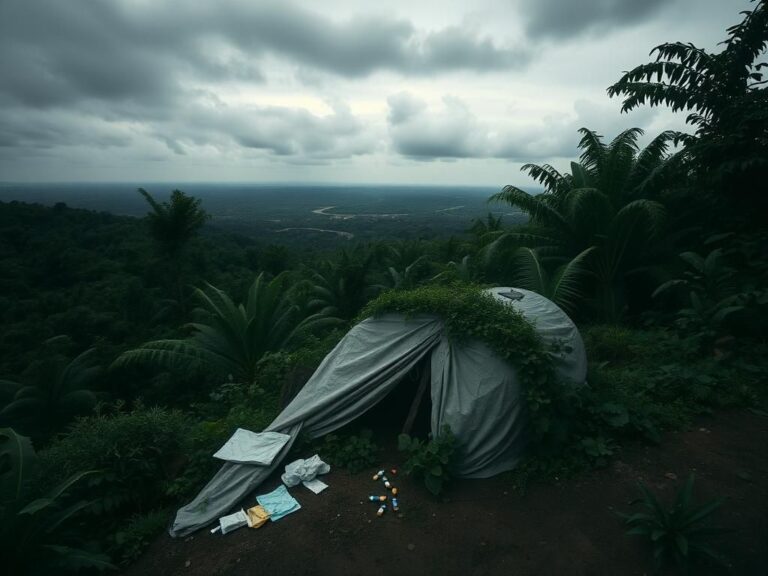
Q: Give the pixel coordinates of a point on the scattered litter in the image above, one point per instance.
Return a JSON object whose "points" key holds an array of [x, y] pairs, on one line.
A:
{"points": [[304, 470], [278, 503], [232, 522], [315, 485], [246, 447], [394, 471], [257, 516], [380, 475]]}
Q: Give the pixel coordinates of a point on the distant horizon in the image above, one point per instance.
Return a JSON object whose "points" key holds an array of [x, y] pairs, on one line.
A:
{"points": [[243, 183]]}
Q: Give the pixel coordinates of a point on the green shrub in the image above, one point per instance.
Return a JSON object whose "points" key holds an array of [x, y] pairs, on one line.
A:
{"points": [[207, 436], [621, 345], [354, 452], [136, 452], [430, 460], [679, 533], [39, 529], [138, 533]]}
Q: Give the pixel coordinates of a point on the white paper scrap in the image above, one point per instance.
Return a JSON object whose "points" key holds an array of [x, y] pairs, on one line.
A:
{"points": [[315, 485]]}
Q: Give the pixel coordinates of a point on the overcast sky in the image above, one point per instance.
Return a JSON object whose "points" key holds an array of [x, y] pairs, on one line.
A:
{"points": [[443, 92]]}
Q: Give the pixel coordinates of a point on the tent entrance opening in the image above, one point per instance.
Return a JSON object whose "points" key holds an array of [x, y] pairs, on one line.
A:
{"points": [[408, 408]]}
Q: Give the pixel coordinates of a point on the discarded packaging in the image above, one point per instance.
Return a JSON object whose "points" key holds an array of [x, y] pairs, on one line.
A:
{"points": [[381, 510], [257, 516], [233, 521], [377, 498], [394, 491], [394, 471], [395, 505], [378, 474]]}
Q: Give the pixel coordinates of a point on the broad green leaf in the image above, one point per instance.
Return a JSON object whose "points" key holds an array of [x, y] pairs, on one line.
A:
{"points": [[17, 463]]}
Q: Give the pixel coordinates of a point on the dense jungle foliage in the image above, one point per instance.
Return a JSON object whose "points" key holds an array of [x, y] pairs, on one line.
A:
{"points": [[132, 348]]}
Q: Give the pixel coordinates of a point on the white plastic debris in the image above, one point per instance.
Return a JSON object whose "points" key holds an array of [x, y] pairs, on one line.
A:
{"points": [[246, 447], [315, 485], [233, 521], [304, 471]]}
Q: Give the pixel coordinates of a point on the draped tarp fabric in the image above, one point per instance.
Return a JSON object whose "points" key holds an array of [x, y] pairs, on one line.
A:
{"points": [[473, 391], [569, 358], [363, 368], [478, 395]]}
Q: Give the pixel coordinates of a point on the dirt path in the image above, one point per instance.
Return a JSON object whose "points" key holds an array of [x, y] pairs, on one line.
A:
{"points": [[485, 528]]}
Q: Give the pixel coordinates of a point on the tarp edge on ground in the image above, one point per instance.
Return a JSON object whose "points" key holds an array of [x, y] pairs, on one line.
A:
{"points": [[361, 370]]}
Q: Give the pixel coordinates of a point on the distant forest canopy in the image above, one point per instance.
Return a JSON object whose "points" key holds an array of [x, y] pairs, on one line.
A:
{"points": [[292, 214]]}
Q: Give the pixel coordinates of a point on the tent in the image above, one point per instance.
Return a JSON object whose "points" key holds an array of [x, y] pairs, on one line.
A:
{"points": [[472, 390]]}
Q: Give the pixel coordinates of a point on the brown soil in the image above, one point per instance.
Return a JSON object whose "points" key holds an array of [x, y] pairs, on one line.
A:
{"points": [[486, 528]]}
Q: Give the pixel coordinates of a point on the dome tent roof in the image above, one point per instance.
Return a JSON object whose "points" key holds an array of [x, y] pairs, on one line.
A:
{"points": [[555, 328]]}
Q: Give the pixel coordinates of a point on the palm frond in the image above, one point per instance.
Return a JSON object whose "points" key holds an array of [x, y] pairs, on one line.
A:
{"points": [[529, 272], [546, 175], [630, 231], [170, 354], [650, 159], [593, 150], [539, 211], [567, 281]]}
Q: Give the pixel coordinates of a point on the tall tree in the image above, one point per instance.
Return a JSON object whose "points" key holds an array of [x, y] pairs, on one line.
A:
{"points": [[725, 95], [228, 338], [596, 219], [172, 225], [341, 287]]}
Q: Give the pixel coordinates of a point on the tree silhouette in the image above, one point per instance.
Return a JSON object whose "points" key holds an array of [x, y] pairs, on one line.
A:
{"points": [[727, 100], [228, 338], [595, 219], [172, 225]]}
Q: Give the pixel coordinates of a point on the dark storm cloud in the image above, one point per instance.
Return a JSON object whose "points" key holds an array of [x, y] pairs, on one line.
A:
{"points": [[21, 128], [278, 131], [58, 52], [419, 133], [453, 131], [77, 72], [555, 19], [354, 47]]}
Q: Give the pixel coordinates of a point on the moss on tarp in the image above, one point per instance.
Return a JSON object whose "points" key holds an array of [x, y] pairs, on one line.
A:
{"points": [[469, 313]]}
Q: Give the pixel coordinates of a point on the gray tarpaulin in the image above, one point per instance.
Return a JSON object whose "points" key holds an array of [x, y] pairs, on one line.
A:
{"points": [[555, 328], [366, 365], [473, 391], [478, 395]]}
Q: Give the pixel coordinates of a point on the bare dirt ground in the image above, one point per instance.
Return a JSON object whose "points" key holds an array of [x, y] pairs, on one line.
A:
{"points": [[484, 527]]}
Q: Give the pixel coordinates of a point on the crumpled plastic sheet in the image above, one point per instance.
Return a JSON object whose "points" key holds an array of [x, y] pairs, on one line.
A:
{"points": [[232, 522], [302, 470]]}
